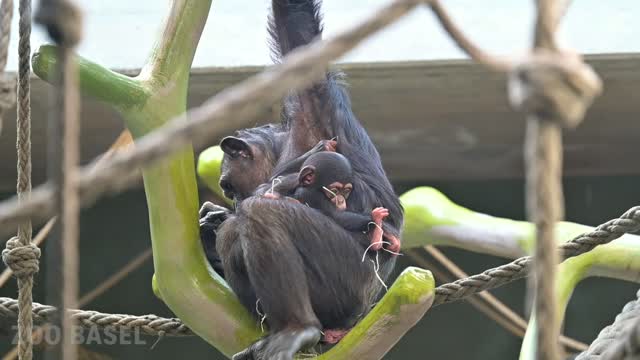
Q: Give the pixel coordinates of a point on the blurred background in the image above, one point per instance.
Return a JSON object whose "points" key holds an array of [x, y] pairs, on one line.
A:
{"points": [[437, 119]]}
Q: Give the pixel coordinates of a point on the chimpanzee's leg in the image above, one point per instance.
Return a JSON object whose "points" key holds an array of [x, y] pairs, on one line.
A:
{"points": [[291, 253], [229, 248], [276, 269]]}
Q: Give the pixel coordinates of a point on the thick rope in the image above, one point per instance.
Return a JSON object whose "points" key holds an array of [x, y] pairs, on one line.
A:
{"points": [[148, 324], [496, 277], [21, 255], [620, 340], [553, 93], [543, 158], [63, 22], [7, 82], [545, 204], [6, 16]]}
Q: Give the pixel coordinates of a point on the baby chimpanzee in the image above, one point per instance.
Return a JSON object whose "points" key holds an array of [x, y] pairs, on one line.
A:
{"points": [[325, 183]]}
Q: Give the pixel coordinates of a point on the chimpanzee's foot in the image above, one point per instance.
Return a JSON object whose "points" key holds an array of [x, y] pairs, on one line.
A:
{"points": [[282, 345], [333, 336], [394, 243]]}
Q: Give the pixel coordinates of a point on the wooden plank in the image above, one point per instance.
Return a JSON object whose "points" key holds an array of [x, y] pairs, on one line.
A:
{"points": [[433, 120]]}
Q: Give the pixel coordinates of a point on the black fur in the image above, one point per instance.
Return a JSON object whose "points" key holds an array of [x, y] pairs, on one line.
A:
{"points": [[301, 268]]}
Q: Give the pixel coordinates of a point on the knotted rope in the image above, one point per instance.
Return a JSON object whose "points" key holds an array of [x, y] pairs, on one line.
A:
{"points": [[20, 255], [553, 90], [620, 340], [23, 261], [63, 22]]}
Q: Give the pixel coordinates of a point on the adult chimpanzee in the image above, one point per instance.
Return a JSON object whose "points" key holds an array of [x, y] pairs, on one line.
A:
{"points": [[303, 269]]}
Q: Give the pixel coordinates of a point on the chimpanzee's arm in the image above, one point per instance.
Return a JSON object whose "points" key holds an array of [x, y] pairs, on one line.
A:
{"points": [[351, 221]]}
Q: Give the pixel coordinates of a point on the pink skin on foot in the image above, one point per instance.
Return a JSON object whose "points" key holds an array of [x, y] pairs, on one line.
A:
{"points": [[333, 336], [394, 243]]}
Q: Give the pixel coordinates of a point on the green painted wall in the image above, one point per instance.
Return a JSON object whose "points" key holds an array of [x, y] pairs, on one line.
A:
{"points": [[116, 230]]}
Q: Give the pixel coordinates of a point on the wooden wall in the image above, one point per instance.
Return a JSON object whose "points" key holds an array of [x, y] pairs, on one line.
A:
{"points": [[435, 120]]}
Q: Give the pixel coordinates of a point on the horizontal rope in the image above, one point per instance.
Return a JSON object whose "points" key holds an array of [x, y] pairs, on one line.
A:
{"points": [[148, 324], [496, 277]]}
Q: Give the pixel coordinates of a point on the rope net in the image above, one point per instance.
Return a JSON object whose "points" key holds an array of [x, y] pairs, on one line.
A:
{"points": [[618, 341], [550, 87]]}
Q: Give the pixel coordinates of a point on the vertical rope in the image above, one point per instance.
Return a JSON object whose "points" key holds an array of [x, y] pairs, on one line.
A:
{"points": [[20, 254], [63, 23], [545, 202], [69, 205], [543, 149], [23, 144], [555, 90], [7, 90], [6, 15]]}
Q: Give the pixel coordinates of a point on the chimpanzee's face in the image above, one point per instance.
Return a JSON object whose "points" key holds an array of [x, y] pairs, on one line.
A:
{"points": [[244, 168]]}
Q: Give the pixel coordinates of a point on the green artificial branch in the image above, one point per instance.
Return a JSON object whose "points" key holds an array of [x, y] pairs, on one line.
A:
{"points": [[209, 162], [406, 302], [118, 90], [622, 257]]}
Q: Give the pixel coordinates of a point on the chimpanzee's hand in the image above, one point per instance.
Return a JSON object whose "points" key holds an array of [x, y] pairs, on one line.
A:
{"points": [[378, 214], [329, 145], [211, 216], [325, 145]]}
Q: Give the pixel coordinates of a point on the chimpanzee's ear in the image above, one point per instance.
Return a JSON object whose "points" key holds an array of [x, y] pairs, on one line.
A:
{"points": [[235, 147], [307, 175]]}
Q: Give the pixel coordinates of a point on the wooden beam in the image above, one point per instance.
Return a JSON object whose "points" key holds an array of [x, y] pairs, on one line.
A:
{"points": [[432, 120]]}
